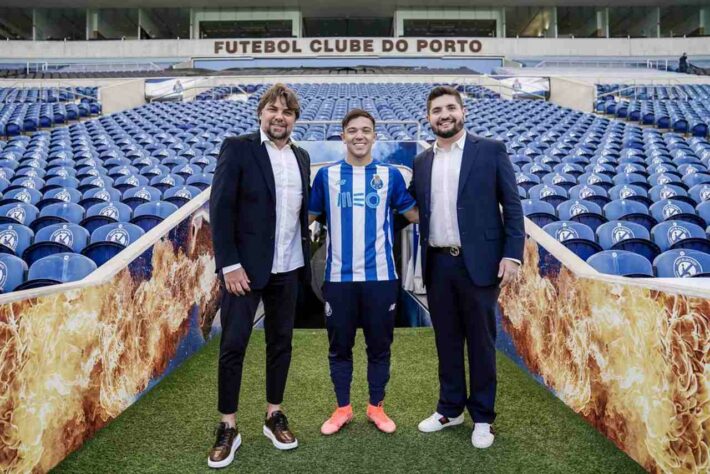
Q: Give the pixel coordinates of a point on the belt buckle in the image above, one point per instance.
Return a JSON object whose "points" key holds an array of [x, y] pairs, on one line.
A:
{"points": [[454, 251]]}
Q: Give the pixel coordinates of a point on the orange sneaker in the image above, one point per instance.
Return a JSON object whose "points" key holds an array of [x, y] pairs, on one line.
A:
{"points": [[340, 417], [377, 415]]}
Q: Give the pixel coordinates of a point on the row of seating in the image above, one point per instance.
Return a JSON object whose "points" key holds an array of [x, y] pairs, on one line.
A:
{"points": [[681, 117], [18, 118], [48, 94]]}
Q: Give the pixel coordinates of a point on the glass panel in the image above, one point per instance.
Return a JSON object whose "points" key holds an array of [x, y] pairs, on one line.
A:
{"points": [[680, 21], [246, 29], [60, 24], [15, 23], [348, 27], [450, 28], [165, 23], [579, 22], [529, 22]]}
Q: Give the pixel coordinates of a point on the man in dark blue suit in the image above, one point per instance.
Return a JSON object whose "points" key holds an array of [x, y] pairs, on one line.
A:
{"points": [[259, 220], [469, 250]]}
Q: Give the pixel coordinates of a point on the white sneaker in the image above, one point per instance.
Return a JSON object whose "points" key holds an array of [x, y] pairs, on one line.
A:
{"points": [[482, 436], [438, 422]]}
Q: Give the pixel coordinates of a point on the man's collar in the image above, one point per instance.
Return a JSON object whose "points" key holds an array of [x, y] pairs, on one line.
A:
{"points": [[458, 143], [265, 138]]}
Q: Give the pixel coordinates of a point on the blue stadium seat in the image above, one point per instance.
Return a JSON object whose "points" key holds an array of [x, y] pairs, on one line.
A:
{"points": [[15, 238], [56, 238], [109, 240], [583, 211], [622, 263], [623, 235], [13, 271], [577, 237], [58, 268], [703, 210], [149, 215], [180, 195], [540, 212], [674, 209], [58, 213], [20, 213], [628, 210], [106, 213], [674, 234], [682, 263], [58, 196]]}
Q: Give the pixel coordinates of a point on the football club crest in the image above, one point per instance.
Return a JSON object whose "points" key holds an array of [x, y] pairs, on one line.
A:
{"points": [[663, 179], [63, 195], [109, 211], [98, 182], [376, 182], [577, 209], [18, 213], [168, 180], [566, 233], [670, 209], [187, 170], [677, 233], [620, 233], [62, 236], [3, 274], [686, 267], [144, 195], [23, 196], [558, 179], [547, 191], [667, 192], [119, 235], [585, 192], [133, 181], [705, 193], [594, 179], [9, 238], [28, 183], [626, 192], [184, 193], [103, 195]]}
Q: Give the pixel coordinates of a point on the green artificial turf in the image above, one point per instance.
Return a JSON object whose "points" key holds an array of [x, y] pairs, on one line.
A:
{"points": [[171, 428]]}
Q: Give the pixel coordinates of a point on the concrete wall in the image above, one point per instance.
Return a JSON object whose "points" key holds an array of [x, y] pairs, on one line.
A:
{"points": [[122, 96], [571, 93], [510, 47]]}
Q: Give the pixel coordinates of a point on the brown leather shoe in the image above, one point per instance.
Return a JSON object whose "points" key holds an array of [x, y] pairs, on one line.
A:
{"points": [[227, 443], [276, 429]]}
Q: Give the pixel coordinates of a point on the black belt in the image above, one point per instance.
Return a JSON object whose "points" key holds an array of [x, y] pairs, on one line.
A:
{"points": [[453, 251]]}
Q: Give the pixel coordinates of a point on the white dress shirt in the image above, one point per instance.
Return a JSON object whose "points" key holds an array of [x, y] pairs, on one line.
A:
{"points": [[445, 173], [288, 251]]}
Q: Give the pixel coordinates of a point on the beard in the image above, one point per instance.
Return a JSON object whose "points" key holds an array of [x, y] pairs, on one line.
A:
{"points": [[274, 135], [456, 128]]}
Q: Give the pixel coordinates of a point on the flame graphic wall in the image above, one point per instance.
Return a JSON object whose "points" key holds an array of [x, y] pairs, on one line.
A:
{"points": [[633, 361], [72, 361]]}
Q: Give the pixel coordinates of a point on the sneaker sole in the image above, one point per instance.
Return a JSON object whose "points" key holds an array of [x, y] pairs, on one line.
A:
{"points": [[228, 460], [277, 444], [380, 429], [484, 446], [338, 430], [453, 422]]}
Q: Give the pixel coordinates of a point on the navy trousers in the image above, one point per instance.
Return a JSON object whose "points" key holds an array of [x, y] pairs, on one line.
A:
{"points": [[462, 313], [372, 305], [237, 319]]}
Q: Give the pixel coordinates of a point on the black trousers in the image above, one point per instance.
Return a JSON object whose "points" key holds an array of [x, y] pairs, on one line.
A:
{"points": [[462, 313], [237, 317]]}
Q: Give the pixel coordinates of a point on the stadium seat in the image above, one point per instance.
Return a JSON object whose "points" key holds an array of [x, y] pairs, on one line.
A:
{"points": [[622, 263], [577, 237], [674, 209], [628, 210], [56, 238], [583, 211], [149, 215], [680, 234], [623, 235], [109, 240], [57, 268], [13, 272], [15, 238], [682, 263], [540, 212]]}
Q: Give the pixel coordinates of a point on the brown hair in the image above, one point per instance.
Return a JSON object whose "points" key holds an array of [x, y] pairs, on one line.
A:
{"points": [[439, 91], [273, 94], [356, 113]]}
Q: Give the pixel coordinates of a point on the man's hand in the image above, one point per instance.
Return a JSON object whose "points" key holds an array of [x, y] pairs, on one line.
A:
{"points": [[237, 282], [412, 215], [507, 271]]}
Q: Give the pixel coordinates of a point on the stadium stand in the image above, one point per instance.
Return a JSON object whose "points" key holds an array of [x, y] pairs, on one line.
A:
{"points": [[595, 184]]}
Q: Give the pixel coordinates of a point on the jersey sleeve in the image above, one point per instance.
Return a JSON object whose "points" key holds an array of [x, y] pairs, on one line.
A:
{"points": [[316, 205], [402, 201]]}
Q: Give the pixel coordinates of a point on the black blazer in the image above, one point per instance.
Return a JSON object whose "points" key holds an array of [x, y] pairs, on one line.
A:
{"points": [[486, 181], [243, 208]]}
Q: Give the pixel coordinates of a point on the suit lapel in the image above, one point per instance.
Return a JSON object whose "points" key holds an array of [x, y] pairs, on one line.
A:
{"points": [[427, 165], [470, 151], [262, 159]]}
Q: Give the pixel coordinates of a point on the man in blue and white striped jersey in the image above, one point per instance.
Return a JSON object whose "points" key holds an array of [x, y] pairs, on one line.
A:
{"points": [[358, 196]]}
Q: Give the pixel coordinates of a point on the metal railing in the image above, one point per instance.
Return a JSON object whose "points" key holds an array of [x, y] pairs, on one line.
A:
{"points": [[636, 87]]}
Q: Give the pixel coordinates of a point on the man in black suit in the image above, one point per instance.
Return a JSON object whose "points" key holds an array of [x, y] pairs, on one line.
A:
{"points": [[469, 250], [259, 219]]}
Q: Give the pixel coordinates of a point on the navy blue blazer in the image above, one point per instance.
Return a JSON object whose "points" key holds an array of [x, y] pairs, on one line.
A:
{"points": [[487, 180], [243, 208]]}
